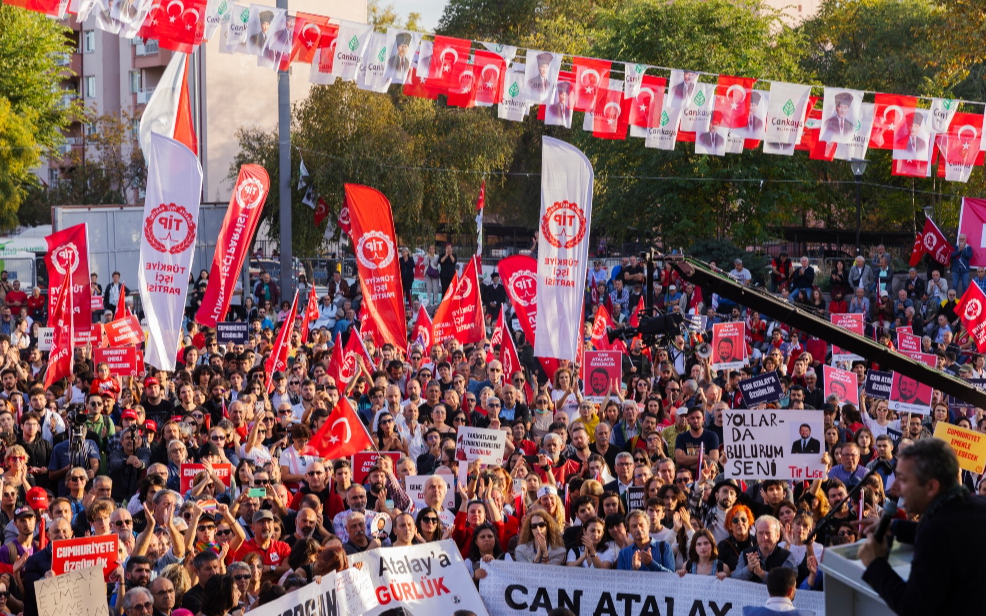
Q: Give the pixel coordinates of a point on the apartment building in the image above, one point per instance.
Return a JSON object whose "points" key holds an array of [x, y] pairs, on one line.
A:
{"points": [[114, 75]]}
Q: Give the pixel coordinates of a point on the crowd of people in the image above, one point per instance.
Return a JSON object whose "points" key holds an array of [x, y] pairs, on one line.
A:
{"points": [[103, 454]]}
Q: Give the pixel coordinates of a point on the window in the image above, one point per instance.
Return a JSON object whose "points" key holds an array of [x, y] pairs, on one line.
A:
{"points": [[90, 86], [89, 41], [52, 176], [134, 81]]}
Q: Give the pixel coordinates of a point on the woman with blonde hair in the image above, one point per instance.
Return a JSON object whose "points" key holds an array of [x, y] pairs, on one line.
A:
{"points": [[15, 471], [540, 541]]}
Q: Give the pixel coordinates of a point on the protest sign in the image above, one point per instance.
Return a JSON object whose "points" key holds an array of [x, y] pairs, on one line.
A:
{"points": [[124, 331], [635, 498], [905, 329], [232, 333], [602, 368], [81, 593], [414, 485], [422, 579], [510, 589], [909, 396], [728, 345], [96, 303], [878, 384], [852, 322], [908, 342], [773, 444], [76, 554], [45, 338], [364, 462], [960, 404], [336, 594], [969, 445], [189, 471], [842, 383], [761, 389], [122, 361]]}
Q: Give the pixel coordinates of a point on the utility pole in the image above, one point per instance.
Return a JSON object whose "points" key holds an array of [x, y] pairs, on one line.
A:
{"points": [[284, 176]]}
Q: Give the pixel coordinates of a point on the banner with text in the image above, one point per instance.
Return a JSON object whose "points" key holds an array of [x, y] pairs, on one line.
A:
{"points": [[425, 580], [80, 593], [364, 461], [232, 333], [842, 383], [969, 445], [761, 389], [511, 589], [878, 384], [75, 554], [337, 594], [773, 444], [728, 346], [122, 361], [602, 369], [190, 470], [124, 331], [68, 255], [852, 322]]}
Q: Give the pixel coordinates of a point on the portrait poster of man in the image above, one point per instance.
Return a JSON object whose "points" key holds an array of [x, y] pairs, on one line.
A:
{"points": [[280, 39], [559, 112], [843, 383], [913, 140], [712, 141], [909, 396], [840, 112], [602, 369], [805, 441], [541, 74], [261, 18], [683, 87], [861, 136], [728, 346], [401, 55]]}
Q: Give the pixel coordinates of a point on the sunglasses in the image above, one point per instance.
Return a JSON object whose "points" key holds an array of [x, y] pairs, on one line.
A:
{"points": [[242, 577], [429, 520], [261, 482], [76, 478], [539, 525], [224, 532], [203, 529], [294, 382], [122, 523]]}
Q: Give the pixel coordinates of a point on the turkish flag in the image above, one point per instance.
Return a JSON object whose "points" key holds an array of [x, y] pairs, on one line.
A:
{"points": [[421, 333], [645, 111], [460, 315], [959, 147], [342, 435], [591, 76], [178, 25], [490, 69], [970, 310], [889, 118], [418, 87], [307, 34], [310, 315], [733, 100], [278, 360], [62, 351], [374, 242], [602, 322], [51, 8], [122, 311], [462, 92], [635, 315], [933, 242], [448, 56], [813, 125], [321, 211], [611, 117]]}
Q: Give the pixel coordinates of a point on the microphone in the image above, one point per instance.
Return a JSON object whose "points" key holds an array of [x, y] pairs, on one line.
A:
{"points": [[889, 513]]}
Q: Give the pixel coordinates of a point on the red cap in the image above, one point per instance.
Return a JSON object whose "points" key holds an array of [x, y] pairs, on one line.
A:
{"points": [[151, 426], [129, 414], [37, 498], [151, 381]]}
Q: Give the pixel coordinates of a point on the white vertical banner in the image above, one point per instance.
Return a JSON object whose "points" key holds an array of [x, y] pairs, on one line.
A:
{"points": [[563, 248], [171, 214]]}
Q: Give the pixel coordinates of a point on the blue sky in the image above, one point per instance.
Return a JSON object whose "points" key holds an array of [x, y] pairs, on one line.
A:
{"points": [[431, 11]]}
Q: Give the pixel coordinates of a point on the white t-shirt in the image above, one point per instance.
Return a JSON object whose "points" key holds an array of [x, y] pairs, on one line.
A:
{"points": [[607, 556]]}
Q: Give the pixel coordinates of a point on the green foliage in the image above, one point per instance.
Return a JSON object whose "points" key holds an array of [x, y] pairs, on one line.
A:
{"points": [[723, 252], [18, 154]]}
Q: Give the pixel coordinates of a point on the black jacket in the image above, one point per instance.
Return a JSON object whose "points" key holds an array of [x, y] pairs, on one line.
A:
{"points": [[944, 570]]}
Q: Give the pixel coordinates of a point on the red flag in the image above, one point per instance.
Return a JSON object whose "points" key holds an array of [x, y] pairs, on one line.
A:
{"points": [[449, 56], [178, 25], [970, 310], [375, 245], [460, 315], [68, 254], [960, 145], [51, 8], [422, 329], [519, 275], [933, 242], [490, 69], [602, 322], [510, 359], [635, 315], [122, 311], [308, 30], [62, 352], [345, 222], [733, 100], [590, 76], [278, 360], [235, 237], [321, 71], [462, 93], [890, 117], [918, 250], [321, 211], [341, 436], [813, 125], [610, 119], [645, 111], [417, 87], [310, 315]]}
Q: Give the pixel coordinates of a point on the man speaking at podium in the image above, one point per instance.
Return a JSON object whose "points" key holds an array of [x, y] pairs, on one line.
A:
{"points": [[947, 574]]}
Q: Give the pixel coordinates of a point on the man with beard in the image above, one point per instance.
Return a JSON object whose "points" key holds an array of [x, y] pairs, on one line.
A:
{"points": [[307, 401], [358, 541], [712, 512], [305, 526], [356, 499], [274, 553], [206, 564], [217, 399], [907, 391], [317, 483], [156, 406]]}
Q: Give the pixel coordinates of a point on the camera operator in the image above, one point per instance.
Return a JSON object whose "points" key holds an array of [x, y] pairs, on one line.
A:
{"points": [[76, 451], [128, 462]]}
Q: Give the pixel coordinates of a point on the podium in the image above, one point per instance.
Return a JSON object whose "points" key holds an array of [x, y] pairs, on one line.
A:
{"points": [[846, 594]]}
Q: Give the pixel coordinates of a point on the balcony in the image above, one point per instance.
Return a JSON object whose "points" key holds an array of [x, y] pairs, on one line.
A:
{"points": [[144, 95], [68, 98], [148, 48], [62, 59]]}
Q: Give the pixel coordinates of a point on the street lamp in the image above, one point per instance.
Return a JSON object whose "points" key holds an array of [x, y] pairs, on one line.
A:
{"points": [[858, 166]]}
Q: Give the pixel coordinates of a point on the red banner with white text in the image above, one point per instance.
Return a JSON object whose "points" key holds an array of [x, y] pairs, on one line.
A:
{"points": [[460, 315], [68, 254]]}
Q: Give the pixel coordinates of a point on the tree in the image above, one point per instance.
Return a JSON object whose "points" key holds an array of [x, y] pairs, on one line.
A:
{"points": [[31, 112]]}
